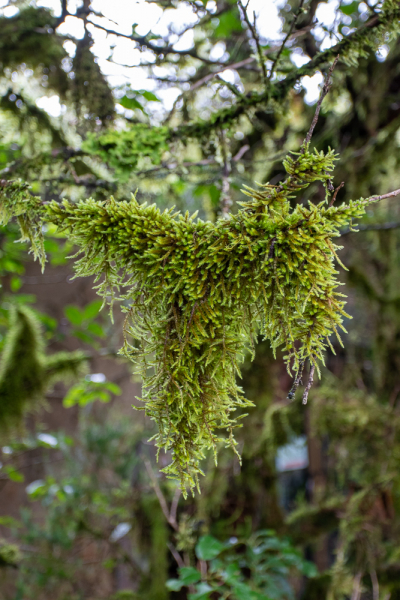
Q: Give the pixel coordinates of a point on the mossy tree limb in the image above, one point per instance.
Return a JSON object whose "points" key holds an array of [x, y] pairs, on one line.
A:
{"points": [[197, 294]]}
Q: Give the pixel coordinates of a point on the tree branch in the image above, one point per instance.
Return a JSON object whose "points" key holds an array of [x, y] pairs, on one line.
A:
{"points": [[278, 90], [64, 13], [377, 227], [294, 21], [339, 187], [164, 50], [388, 195], [325, 90], [253, 30], [169, 515], [309, 384]]}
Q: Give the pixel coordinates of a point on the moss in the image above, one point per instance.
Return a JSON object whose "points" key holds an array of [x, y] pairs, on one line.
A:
{"points": [[25, 371], [351, 48], [10, 555], [122, 150], [29, 37], [90, 88], [198, 294]]}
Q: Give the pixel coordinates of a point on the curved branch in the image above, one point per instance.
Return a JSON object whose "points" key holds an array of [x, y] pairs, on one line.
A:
{"points": [[164, 50]]}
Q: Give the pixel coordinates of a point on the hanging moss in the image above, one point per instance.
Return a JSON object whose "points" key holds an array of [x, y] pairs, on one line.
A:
{"points": [[25, 371], [29, 38], [197, 294], [90, 88]]}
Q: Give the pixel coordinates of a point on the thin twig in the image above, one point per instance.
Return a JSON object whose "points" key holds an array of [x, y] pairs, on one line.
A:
{"points": [[160, 496], [174, 505], [279, 89], [226, 200], [247, 61], [164, 50], [176, 555], [378, 227], [230, 86], [253, 30], [325, 90], [356, 594], [242, 151], [331, 203], [297, 381], [375, 585], [388, 195], [288, 35], [309, 384], [207, 78]]}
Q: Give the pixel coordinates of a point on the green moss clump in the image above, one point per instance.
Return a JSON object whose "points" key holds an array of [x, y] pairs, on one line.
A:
{"points": [[122, 150], [10, 554], [199, 293]]}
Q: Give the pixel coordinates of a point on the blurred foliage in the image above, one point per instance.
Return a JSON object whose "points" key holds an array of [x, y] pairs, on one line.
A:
{"points": [[224, 130], [29, 38], [25, 370], [266, 560]]}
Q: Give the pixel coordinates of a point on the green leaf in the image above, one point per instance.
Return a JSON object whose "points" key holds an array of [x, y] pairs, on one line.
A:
{"points": [[349, 9], [73, 315], [92, 310], [228, 23], [13, 474], [149, 96], [130, 103], [309, 569], [212, 191], [15, 283], [174, 585], [189, 575], [90, 391], [202, 593], [81, 335], [51, 246], [101, 395], [112, 387], [73, 395], [243, 592], [8, 521], [96, 329], [231, 573], [208, 547]]}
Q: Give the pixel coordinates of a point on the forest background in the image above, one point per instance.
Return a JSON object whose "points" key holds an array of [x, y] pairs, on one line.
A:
{"points": [[187, 102]]}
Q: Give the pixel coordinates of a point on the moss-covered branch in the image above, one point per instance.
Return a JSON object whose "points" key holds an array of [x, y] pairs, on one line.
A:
{"points": [[198, 294], [350, 48]]}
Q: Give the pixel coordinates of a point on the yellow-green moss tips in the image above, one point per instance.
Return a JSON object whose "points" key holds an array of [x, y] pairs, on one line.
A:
{"points": [[197, 294]]}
